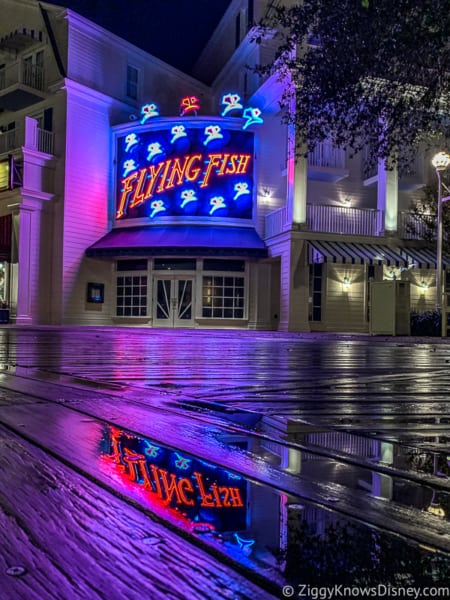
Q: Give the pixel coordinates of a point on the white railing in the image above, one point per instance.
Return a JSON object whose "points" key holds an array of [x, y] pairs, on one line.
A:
{"points": [[412, 228], [21, 72], [327, 156], [45, 141], [276, 222], [341, 219], [10, 140], [14, 139], [329, 219]]}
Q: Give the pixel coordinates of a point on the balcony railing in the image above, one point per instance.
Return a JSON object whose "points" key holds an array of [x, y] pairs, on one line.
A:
{"points": [[341, 219], [21, 72], [412, 228], [14, 139], [45, 141], [10, 140], [276, 222], [329, 219], [326, 155]]}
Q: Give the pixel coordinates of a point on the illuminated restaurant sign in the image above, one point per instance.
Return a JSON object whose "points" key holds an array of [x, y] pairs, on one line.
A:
{"points": [[190, 167], [205, 494]]}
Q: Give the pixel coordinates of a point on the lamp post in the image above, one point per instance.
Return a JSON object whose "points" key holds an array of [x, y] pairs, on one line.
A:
{"points": [[440, 162]]}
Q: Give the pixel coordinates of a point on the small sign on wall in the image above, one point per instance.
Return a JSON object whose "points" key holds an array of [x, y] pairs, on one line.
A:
{"points": [[95, 293]]}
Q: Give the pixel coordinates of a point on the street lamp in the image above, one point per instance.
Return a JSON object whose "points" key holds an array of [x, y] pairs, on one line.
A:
{"points": [[440, 162]]}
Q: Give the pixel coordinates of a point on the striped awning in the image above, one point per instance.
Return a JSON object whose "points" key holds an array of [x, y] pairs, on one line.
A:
{"points": [[354, 253], [423, 258]]}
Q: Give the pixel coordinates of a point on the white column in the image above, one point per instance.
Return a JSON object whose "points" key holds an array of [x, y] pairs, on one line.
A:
{"points": [[28, 250], [387, 195], [294, 288], [259, 296], [297, 179]]}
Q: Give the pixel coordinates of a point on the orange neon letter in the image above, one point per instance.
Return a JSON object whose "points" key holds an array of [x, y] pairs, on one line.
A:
{"points": [[154, 172], [192, 174], [138, 196], [214, 161], [207, 499], [126, 189], [185, 485]]}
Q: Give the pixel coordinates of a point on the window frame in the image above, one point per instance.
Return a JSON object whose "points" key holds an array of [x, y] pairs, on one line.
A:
{"points": [[142, 305], [129, 83]]}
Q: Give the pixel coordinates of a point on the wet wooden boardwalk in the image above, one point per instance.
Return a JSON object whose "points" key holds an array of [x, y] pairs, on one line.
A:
{"points": [[56, 384]]}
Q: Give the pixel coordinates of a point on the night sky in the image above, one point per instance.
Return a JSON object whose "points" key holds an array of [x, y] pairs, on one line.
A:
{"points": [[173, 30]]}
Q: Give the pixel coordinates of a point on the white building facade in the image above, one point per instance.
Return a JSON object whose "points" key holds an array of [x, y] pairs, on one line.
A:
{"points": [[134, 194]]}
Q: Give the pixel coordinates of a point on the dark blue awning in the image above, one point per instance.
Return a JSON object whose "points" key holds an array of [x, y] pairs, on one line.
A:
{"points": [[355, 253], [179, 240], [423, 258]]}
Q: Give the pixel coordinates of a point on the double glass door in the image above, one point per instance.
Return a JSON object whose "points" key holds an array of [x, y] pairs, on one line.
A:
{"points": [[173, 302]]}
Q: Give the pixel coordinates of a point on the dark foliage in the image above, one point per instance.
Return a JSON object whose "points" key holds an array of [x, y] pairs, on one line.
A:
{"points": [[424, 224], [426, 323], [355, 555], [373, 75]]}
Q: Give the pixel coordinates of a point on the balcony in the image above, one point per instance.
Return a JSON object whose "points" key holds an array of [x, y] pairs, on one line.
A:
{"points": [[276, 222], [21, 85], [37, 139], [411, 228], [344, 220], [327, 163], [329, 219], [414, 179]]}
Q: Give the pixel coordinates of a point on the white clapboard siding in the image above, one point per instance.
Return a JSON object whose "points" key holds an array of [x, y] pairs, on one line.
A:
{"points": [[345, 310]]}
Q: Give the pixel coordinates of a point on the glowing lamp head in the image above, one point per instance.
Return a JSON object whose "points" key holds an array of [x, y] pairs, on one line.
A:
{"points": [[346, 283], [441, 161]]}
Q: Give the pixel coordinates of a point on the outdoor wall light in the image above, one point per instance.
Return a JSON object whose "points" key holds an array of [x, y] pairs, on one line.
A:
{"points": [[424, 286], [392, 274], [346, 284], [347, 202], [436, 509]]}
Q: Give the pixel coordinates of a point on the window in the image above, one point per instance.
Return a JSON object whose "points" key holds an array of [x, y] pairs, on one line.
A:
{"points": [[217, 264], [131, 298], [223, 297], [131, 290], [132, 265], [370, 278], [33, 70], [132, 82], [237, 30], [177, 264], [315, 291], [250, 14]]}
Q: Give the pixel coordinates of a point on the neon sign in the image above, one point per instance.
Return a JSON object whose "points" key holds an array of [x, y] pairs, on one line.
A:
{"points": [[210, 498], [231, 102], [189, 104], [148, 111], [189, 169]]}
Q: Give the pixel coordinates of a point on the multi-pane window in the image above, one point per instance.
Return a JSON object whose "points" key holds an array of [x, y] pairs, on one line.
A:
{"points": [[315, 291], [223, 297], [132, 82], [131, 290]]}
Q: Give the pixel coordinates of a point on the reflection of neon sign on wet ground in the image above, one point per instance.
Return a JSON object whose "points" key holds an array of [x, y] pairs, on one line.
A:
{"points": [[211, 498]]}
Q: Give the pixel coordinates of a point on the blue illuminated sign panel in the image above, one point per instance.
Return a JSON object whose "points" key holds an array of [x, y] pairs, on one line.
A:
{"points": [[185, 169]]}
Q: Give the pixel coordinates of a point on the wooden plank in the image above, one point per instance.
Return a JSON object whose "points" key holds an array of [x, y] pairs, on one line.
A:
{"points": [[75, 437], [76, 540]]}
